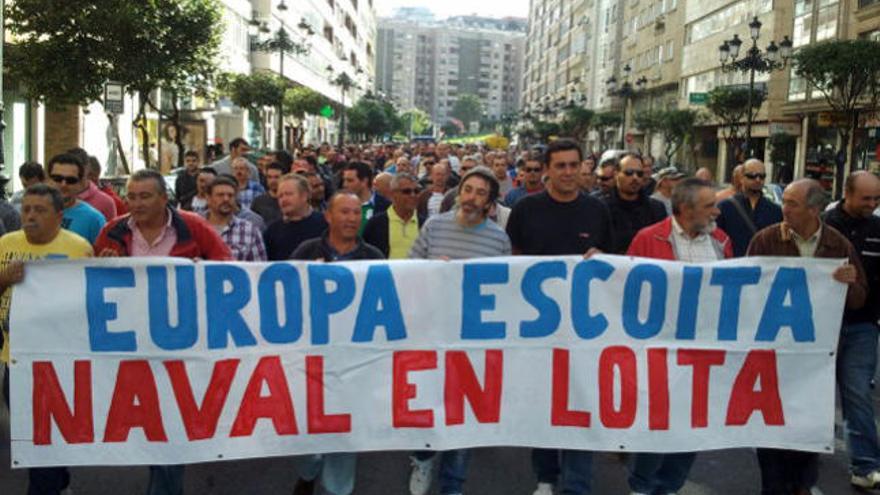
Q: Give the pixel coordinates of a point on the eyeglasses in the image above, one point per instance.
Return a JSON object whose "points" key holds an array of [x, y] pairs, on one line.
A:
{"points": [[532, 170], [631, 172], [67, 179], [755, 176], [409, 191]]}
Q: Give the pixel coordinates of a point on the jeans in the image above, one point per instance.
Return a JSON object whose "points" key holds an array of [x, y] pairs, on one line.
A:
{"points": [[856, 364], [453, 468], [166, 480], [660, 474], [336, 471], [45, 480], [787, 472], [576, 468]]}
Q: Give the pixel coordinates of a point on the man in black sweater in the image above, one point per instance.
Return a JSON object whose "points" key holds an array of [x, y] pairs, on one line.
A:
{"points": [[857, 348], [631, 209], [299, 221]]}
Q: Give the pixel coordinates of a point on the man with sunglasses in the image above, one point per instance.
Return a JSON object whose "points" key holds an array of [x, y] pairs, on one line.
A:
{"points": [[631, 208], [531, 180], [748, 211], [395, 230], [66, 172], [605, 178]]}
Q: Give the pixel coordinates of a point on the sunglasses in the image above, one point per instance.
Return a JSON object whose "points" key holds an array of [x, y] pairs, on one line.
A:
{"points": [[755, 176], [409, 191], [67, 179], [603, 178], [631, 172], [532, 170]]}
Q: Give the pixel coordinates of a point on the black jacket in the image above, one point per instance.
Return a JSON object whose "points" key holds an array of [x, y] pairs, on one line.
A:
{"points": [[376, 231], [864, 234], [319, 249], [629, 217]]}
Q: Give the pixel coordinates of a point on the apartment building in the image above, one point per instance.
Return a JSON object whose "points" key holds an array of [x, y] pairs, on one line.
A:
{"points": [[426, 64]]}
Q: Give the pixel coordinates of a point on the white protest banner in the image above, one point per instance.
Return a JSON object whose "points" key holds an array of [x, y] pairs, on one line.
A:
{"points": [[154, 361]]}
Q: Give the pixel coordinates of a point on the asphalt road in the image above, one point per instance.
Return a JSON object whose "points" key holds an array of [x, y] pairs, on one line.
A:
{"points": [[493, 471]]}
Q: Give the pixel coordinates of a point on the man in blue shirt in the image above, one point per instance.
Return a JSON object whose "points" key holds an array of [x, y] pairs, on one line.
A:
{"points": [[66, 172], [748, 211]]}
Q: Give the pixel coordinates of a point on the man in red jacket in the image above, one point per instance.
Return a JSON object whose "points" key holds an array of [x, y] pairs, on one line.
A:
{"points": [[153, 229], [688, 235]]}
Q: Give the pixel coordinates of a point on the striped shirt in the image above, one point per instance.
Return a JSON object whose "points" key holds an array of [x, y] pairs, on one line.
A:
{"points": [[442, 236]]}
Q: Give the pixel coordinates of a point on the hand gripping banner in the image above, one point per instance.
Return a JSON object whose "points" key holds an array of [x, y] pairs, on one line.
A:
{"points": [[157, 360]]}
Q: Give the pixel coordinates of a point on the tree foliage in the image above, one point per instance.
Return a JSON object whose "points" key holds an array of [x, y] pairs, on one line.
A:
{"points": [[371, 117], [730, 105], [301, 101], [253, 91], [604, 121], [415, 120], [577, 122], [467, 108], [66, 51], [847, 74], [677, 127]]}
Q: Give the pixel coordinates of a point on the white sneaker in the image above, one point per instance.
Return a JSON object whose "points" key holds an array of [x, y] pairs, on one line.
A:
{"points": [[544, 489], [870, 480], [421, 475]]}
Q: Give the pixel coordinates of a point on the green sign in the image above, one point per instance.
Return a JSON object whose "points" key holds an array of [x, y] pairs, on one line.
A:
{"points": [[697, 98], [326, 111]]}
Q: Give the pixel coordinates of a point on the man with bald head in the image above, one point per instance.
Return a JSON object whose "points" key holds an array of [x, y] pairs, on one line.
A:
{"points": [[382, 184], [857, 348], [734, 187], [705, 174], [748, 211], [802, 233]]}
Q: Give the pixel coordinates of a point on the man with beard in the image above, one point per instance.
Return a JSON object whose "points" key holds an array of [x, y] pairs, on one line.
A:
{"points": [[631, 209], [465, 232], [266, 204], [242, 237], [748, 211]]}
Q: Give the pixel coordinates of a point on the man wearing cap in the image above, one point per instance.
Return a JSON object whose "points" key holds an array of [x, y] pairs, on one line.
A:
{"points": [[667, 178]]}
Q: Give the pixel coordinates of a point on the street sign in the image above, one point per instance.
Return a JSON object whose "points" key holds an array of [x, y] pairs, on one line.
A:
{"points": [[697, 98], [326, 111], [114, 98]]}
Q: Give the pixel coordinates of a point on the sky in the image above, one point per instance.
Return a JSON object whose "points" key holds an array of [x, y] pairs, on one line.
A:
{"points": [[446, 8]]}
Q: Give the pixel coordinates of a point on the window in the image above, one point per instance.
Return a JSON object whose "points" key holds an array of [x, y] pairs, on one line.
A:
{"points": [[826, 22], [668, 52], [803, 26], [716, 22], [797, 89]]}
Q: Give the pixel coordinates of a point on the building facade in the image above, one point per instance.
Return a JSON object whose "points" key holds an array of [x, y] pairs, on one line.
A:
{"points": [[428, 64]]}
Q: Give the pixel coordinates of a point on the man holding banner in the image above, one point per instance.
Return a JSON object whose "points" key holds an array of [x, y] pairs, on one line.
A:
{"points": [[561, 220], [465, 232], [802, 233], [340, 242], [152, 228], [688, 235], [40, 237]]}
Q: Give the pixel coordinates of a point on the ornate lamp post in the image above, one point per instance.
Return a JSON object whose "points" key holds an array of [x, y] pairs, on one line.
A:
{"points": [[283, 43], [345, 83], [626, 91], [773, 58]]}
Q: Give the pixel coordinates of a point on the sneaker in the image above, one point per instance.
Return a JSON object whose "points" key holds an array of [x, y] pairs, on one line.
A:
{"points": [[870, 480], [421, 475], [544, 489]]}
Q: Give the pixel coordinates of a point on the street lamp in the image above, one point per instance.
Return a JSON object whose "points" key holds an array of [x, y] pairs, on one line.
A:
{"points": [[282, 43], [345, 83], [626, 91], [773, 58]]}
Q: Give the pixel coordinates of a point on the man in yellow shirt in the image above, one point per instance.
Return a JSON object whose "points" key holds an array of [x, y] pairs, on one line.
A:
{"points": [[40, 237], [395, 231]]}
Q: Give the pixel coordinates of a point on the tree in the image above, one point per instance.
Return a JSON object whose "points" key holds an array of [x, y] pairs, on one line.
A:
{"points": [[66, 51], [372, 117], [650, 121], [677, 127], [847, 73], [301, 101], [414, 122], [605, 121], [467, 108], [577, 122], [544, 130], [254, 91], [730, 105]]}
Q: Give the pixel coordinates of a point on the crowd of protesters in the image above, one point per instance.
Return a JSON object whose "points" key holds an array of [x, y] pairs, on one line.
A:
{"points": [[442, 202]]}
